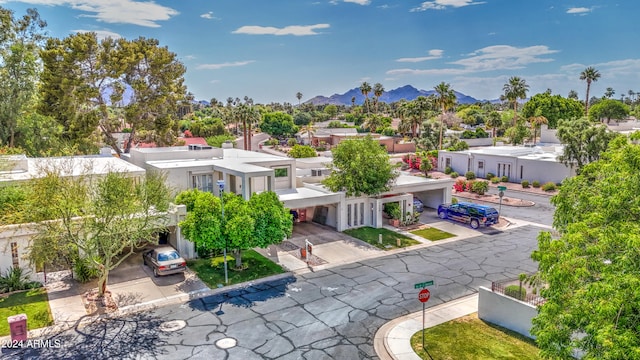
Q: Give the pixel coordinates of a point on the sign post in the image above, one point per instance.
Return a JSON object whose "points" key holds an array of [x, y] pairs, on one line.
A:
{"points": [[424, 296], [501, 194]]}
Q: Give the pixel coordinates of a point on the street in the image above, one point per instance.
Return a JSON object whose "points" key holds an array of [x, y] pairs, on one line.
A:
{"points": [[328, 314]]}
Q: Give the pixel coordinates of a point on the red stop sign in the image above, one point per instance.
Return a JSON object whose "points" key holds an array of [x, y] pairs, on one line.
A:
{"points": [[424, 295]]}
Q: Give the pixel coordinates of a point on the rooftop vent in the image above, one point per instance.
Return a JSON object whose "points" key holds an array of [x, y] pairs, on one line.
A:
{"points": [[199, 147]]}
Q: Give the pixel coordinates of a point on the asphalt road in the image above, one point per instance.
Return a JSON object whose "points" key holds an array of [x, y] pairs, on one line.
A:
{"points": [[329, 314]]}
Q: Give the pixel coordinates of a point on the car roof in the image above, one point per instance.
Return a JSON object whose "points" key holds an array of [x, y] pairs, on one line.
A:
{"points": [[164, 249], [477, 206]]}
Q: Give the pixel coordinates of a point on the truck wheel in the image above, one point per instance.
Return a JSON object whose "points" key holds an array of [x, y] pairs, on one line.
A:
{"points": [[475, 223]]}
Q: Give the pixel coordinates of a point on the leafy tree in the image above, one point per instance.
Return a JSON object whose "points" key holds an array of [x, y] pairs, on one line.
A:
{"points": [[472, 115], [331, 110], [553, 108], [20, 41], [302, 118], [590, 75], [106, 218], [428, 139], [302, 151], [518, 133], [278, 124], [516, 88], [84, 77], [583, 141], [446, 99], [608, 109], [218, 140], [572, 95], [41, 136], [360, 166], [590, 269], [413, 113]]}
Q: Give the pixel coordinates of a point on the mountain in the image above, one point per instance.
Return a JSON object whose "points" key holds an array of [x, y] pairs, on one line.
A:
{"points": [[406, 92]]}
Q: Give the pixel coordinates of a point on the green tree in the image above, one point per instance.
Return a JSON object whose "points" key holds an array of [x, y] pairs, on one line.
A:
{"points": [[203, 223], [378, 90], [331, 110], [365, 89], [552, 107], [590, 75], [516, 88], [518, 132], [590, 269], [608, 109], [494, 122], [446, 99], [360, 166], [299, 97], [609, 92], [106, 218], [278, 124], [302, 151], [535, 122], [20, 41], [572, 95], [583, 141]]}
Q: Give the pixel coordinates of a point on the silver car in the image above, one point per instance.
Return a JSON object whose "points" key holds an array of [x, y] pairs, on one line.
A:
{"points": [[164, 261]]}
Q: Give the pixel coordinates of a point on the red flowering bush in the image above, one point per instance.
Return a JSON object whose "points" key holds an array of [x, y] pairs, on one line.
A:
{"points": [[459, 186]]}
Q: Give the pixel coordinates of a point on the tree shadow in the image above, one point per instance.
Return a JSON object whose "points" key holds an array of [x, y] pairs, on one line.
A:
{"points": [[112, 338], [244, 297]]}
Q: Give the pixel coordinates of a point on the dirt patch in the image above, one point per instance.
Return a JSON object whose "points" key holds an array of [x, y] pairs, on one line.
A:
{"points": [[95, 304]]}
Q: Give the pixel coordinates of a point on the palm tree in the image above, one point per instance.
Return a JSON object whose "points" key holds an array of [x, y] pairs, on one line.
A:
{"points": [[353, 101], [446, 99], [365, 89], [373, 123], [299, 97], [589, 74], [494, 121], [378, 90], [516, 88], [609, 92], [536, 121], [573, 95]]}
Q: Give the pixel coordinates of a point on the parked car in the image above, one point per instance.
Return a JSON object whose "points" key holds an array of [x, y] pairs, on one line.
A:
{"points": [[164, 260], [418, 205], [473, 214]]}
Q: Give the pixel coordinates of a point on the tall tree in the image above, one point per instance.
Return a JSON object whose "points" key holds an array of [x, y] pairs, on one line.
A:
{"points": [[378, 90], [591, 269], [609, 92], [20, 41], [590, 75], [107, 218], [365, 89], [84, 78], [573, 95], [536, 121], [516, 88], [360, 166], [494, 121], [299, 97], [552, 107], [446, 99], [583, 141], [608, 109]]}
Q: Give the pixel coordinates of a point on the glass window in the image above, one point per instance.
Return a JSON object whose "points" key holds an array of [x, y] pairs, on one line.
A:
{"points": [[355, 214], [362, 213], [14, 255], [203, 182], [349, 215], [281, 172]]}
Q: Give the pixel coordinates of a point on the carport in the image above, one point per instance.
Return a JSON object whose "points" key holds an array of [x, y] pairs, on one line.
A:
{"points": [[313, 203]]}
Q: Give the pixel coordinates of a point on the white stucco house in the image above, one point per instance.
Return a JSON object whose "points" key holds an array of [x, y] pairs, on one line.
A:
{"points": [[517, 163]]}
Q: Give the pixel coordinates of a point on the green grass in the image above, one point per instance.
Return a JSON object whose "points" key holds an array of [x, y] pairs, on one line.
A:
{"points": [[389, 238], [469, 338], [432, 234], [34, 303], [255, 266]]}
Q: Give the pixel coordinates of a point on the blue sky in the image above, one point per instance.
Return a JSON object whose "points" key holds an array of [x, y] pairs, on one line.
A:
{"points": [[270, 50]]}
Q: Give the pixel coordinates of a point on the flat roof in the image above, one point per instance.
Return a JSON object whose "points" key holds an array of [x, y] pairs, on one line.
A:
{"points": [[71, 166], [302, 193]]}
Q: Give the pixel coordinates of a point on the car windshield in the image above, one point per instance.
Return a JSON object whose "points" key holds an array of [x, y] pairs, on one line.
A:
{"points": [[167, 256]]}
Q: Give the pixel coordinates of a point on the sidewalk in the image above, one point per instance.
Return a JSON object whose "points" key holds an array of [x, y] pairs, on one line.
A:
{"points": [[393, 339]]}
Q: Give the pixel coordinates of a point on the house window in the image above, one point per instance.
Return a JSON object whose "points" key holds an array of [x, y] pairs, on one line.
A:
{"points": [[202, 182], [521, 168], [14, 255], [281, 172], [480, 165], [349, 215], [362, 213]]}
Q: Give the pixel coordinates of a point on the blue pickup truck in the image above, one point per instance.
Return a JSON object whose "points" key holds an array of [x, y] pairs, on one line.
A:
{"points": [[469, 213]]}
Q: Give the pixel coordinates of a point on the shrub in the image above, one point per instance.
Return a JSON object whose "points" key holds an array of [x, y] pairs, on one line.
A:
{"points": [[292, 142], [454, 200], [549, 186], [480, 187], [15, 280], [495, 180], [515, 291], [504, 178], [217, 262], [393, 210], [454, 175], [448, 170], [525, 184], [470, 175], [468, 185], [459, 185], [490, 176], [302, 151], [84, 270], [535, 184], [217, 140]]}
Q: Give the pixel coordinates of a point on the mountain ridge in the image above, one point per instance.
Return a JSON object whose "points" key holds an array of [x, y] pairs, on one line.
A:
{"points": [[406, 92]]}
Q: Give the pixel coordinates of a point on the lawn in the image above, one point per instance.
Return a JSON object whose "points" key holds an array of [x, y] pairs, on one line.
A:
{"points": [[255, 265], [33, 303], [469, 338], [389, 238], [432, 234]]}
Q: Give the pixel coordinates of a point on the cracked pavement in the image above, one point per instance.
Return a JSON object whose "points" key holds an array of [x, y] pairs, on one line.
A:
{"points": [[328, 314]]}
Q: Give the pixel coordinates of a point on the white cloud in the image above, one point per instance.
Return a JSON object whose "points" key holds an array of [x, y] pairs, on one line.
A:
{"points": [[491, 58], [101, 34], [359, 2], [443, 4], [297, 30], [433, 54], [627, 68], [223, 65], [579, 10], [142, 13], [208, 15]]}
